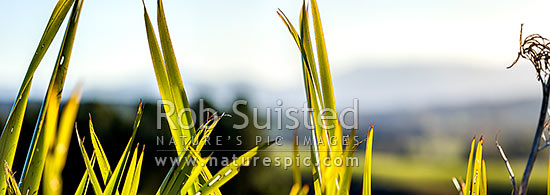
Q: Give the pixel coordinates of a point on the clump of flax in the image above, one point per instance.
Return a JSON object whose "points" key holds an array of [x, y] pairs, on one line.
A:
{"points": [[536, 49]]}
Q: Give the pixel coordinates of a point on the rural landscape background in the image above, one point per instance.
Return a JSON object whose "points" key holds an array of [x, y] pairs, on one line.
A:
{"points": [[428, 74]]}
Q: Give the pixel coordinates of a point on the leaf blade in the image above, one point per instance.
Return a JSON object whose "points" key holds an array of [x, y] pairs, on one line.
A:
{"points": [[367, 174], [10, 181], [477, 174], [34, 164], [326, 80], [55, 161], [9, 141], [116, 177], [102, 161], [89, 167], [469, 170], [137, 174], [178, 91], [483, 181], [130, 175], [83, 185], [228, 172], [163, 82]]}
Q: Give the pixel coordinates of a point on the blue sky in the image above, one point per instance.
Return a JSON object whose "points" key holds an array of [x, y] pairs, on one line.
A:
{"points": [[244, 41]]}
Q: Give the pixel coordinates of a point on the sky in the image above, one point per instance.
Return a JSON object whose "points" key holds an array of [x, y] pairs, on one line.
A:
{"points": [[243, 42]]}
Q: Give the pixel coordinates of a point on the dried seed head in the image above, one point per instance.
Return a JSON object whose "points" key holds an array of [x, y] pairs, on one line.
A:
{"points": [[536, 49]]}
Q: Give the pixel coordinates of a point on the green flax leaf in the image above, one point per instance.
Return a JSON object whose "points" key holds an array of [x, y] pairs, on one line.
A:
{"points": [[37, 153], [53, 182], [12, 129], [89, 167], [228, 172]]}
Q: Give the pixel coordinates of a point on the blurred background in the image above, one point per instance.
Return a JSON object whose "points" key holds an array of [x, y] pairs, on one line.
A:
{"points": [[429, 74]]}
